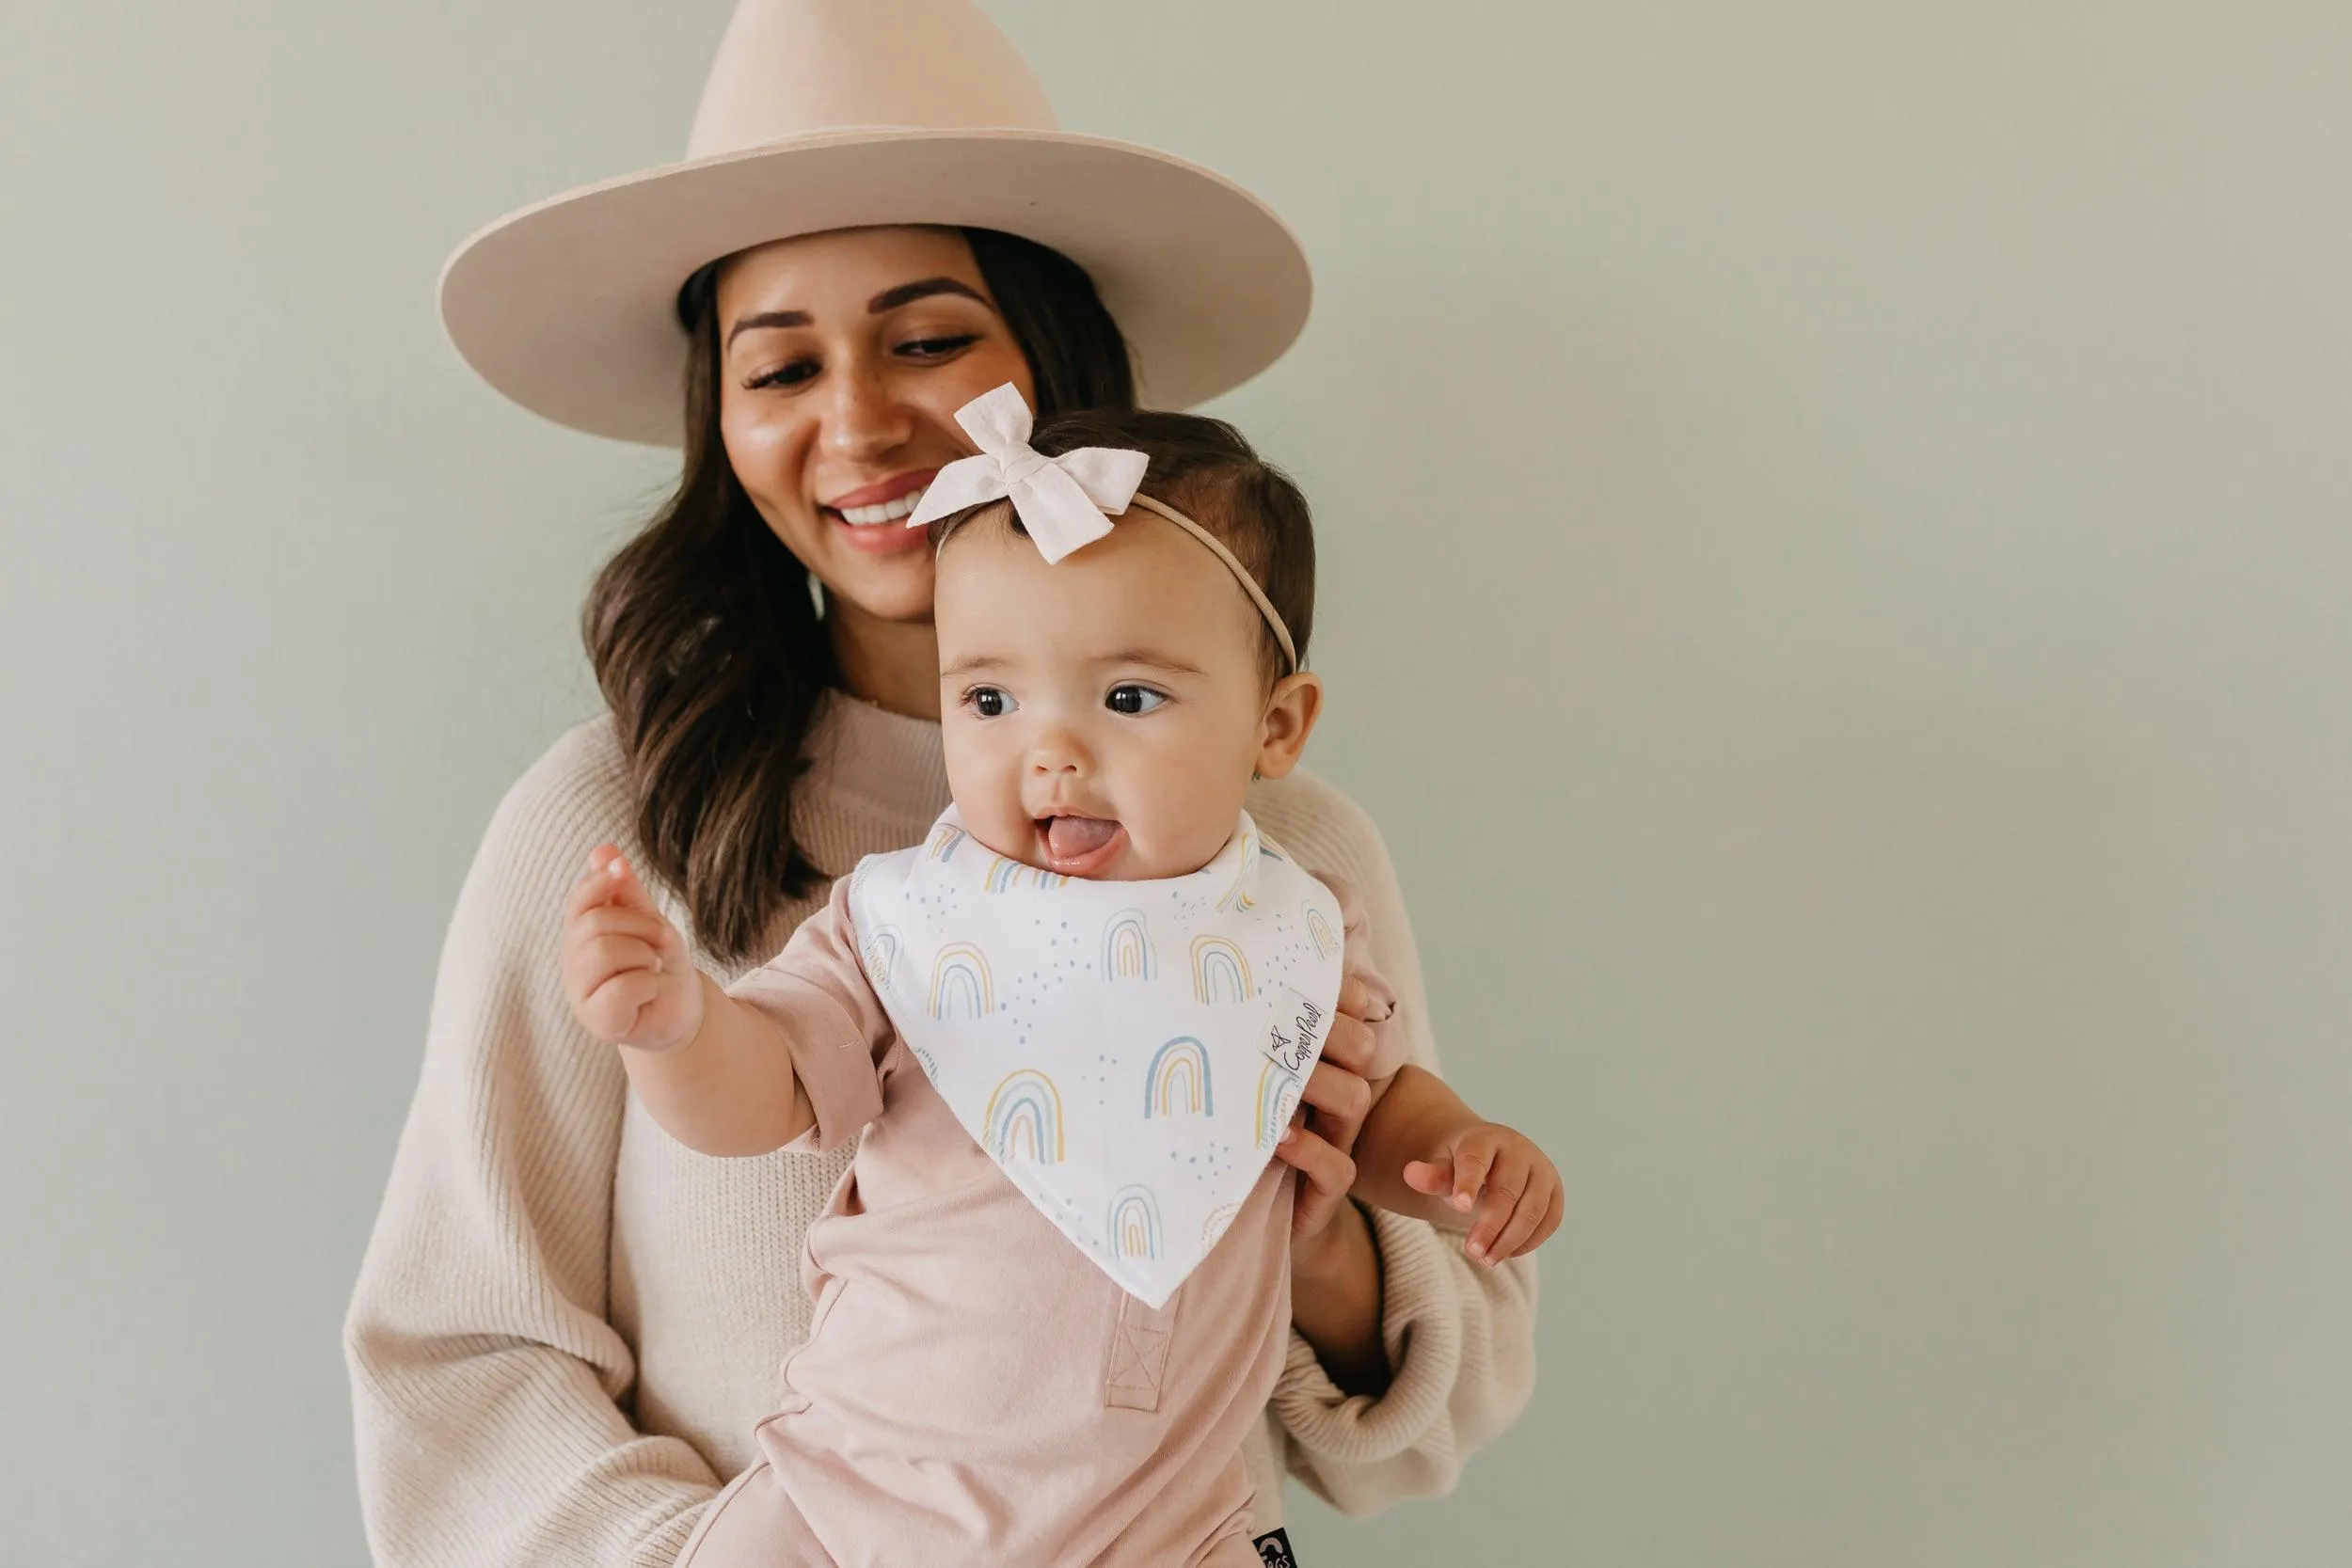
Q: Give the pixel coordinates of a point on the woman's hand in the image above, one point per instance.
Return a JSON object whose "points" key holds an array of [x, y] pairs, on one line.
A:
{"points": [[626, 972], [1321, 1146]]}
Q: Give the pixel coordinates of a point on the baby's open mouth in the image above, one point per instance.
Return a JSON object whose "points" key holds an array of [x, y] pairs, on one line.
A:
{"points": [[1078, 845]]}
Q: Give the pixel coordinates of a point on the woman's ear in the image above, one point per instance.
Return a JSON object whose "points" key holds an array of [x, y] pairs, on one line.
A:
{"points": [[1291, 713]]}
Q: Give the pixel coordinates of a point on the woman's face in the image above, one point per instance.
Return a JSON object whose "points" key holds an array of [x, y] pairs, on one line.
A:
{"points": [[843, 358]]}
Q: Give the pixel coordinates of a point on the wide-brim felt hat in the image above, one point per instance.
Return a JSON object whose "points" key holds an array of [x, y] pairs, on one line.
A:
{"points": [[838, 114]]}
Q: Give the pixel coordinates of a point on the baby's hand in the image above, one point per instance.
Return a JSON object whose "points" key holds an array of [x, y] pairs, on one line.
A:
{"points": [[625, 969], [1504, 1178]]}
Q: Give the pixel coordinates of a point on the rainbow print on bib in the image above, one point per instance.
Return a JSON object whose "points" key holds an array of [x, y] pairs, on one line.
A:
{"points": [[1126, 1052]]}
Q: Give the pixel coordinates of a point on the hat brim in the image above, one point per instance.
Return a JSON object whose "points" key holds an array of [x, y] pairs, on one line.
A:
{"points": [[569, 307]]}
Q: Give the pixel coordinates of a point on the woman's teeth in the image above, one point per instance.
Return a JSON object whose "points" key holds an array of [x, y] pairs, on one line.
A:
{"points": [[888, 512]]}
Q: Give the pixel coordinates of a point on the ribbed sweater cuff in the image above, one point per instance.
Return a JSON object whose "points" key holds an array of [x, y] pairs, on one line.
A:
{"points": [[1422, 1329]]}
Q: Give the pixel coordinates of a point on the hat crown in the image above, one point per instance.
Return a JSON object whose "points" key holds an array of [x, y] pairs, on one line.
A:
{"points": [[800, 67]]}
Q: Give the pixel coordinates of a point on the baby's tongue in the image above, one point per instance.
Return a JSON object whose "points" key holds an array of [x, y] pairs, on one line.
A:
{"points": [[1074, 837]]}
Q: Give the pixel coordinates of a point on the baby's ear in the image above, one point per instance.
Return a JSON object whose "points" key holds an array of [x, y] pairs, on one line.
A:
{"points": [[1291, 712]]}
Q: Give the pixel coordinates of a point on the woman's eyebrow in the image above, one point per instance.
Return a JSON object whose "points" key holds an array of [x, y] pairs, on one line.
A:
{"points": [[906, 293], [767, 318]]}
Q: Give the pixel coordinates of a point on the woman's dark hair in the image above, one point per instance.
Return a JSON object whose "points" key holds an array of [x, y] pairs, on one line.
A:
{"points": [[1208, 471], [706, 639]]}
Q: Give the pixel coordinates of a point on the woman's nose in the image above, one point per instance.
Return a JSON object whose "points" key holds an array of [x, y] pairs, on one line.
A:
{"points": [[863, 419]]}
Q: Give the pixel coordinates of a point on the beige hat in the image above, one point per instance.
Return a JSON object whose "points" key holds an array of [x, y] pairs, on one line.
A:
{"points": [[833, 113]]}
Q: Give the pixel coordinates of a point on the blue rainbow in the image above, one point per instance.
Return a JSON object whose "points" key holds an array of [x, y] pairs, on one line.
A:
{"points": [[1278, 1098], [960, 983], [945, 840], [1023, 1120], [1217, 966], [1214, 1226], [1134, 1225], [1127, 947], [1176, 1081]]}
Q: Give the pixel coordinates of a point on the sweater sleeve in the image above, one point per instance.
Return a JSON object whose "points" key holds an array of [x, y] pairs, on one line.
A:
{"points": [[1460, 1336], [487, 1381]]}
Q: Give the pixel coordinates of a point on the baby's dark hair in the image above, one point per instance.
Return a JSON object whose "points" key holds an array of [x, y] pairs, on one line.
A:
{"points": [[1207, 471]]}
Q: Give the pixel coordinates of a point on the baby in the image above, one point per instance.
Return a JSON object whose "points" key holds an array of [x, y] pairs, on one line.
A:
{"points": [[1052, 1294]]}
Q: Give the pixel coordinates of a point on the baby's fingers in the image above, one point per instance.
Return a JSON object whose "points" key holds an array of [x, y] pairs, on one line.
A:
{"points": [[609, 879], [1505, 1184], [612, 1011], [1432, 1177], [1472, 1156], [1532, 1220], [619, 920]]}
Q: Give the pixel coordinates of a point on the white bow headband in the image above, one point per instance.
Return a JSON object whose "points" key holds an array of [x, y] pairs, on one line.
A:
{"points": [[1063, 501]]}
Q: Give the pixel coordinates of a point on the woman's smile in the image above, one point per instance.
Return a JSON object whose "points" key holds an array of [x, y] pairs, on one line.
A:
{"points": [[872, 518]]}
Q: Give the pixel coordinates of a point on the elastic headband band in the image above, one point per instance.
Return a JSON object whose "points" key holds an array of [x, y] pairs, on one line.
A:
{"points": [[1066, 500], [1241, 574]]}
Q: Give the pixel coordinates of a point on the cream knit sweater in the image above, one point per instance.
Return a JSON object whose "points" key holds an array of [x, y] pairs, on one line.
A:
{"points": [[566, 1324]]}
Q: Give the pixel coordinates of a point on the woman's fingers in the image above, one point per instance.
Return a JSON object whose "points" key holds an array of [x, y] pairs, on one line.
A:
{"points": [[1359, 1000], [1326, 1173], [1340, 1099], [1349, 1044]]}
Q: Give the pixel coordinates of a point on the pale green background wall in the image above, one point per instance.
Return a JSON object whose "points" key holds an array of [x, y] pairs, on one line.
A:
{"points": [[1839, 528]]}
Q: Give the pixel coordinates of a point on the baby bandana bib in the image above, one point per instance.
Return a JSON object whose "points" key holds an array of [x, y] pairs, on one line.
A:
{"points": [[1127, 1053]]}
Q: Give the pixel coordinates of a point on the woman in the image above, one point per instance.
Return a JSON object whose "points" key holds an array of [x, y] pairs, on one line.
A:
{"points": [[559, 1339]]}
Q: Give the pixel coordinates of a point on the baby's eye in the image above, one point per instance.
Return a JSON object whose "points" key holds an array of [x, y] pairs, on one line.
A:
{"points": [[1134, 699], [989, 702]]}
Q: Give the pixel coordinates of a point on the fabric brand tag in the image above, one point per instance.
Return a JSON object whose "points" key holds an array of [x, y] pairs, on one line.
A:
{"points": [[1274, 1550]]}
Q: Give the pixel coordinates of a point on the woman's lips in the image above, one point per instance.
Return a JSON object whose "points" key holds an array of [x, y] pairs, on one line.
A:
{"points": [[882, 492], [872, 519], [1080, 845]]}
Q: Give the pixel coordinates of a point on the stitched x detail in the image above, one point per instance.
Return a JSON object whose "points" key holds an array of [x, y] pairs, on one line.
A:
{"points": [[1138, 1357]]}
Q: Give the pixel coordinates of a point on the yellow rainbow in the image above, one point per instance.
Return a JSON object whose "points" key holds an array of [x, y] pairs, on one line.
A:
{"points": [[1023, 1120]]}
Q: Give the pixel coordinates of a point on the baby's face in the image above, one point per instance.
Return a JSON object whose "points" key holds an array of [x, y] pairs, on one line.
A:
{"points": [[1102, 714]]}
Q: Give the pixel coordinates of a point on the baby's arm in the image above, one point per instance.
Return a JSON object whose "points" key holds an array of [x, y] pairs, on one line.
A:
{"points": [[715, 1072], [1425, 1153]]}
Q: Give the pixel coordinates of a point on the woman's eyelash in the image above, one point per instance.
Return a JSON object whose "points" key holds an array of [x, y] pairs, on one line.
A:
{"points": [[777, 376], [802, 370]]}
